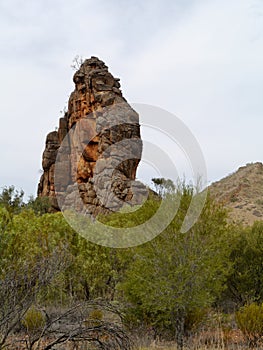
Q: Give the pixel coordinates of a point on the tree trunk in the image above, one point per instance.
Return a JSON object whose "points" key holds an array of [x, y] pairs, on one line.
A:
{"points": [[178, 318]]}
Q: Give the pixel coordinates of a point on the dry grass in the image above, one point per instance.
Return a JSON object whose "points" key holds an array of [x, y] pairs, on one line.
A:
{"points": [[217, 334]]}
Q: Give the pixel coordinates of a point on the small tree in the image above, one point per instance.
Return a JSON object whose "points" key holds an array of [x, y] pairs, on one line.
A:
{"points": [[77, 62], [178, 273], [163, 186], [12, 199]]}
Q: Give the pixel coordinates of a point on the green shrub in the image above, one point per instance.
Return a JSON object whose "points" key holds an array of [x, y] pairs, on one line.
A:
{"points": [[34, 320], [250, 321], [96, 314], [95, 318], [40, 205]]}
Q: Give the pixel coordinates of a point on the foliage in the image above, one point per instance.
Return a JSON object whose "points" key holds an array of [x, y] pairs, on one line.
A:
{"points": [[194, 318], [179, 272], [40, 205], [96, 314], [245, 283], [165, 285], [135, 217], [163, 186], [92, 270], [250, 321], [12, 199], [33, 320], [5, 222]]}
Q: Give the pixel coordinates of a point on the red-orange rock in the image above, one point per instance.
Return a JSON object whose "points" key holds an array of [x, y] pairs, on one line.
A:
{"points": [[96, 162]]}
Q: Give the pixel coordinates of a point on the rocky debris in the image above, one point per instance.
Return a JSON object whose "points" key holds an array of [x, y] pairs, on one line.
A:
{"points": [[90, 162]]}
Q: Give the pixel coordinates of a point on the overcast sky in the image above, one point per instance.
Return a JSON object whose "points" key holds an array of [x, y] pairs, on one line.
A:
{"points": [[201, 60]]}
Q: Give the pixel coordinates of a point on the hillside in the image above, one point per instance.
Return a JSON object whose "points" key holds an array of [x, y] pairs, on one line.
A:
{"points": [[242, 192]]}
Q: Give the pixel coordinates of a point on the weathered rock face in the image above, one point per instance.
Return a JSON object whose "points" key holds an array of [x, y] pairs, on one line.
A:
{"points": [[96, 149]]}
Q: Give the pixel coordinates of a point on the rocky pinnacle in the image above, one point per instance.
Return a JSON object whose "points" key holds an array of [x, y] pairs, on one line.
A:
{"points": [[90, 162]]}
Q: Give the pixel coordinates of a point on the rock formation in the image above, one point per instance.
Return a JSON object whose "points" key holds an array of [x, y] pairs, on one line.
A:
{"points": [[91, 160]]}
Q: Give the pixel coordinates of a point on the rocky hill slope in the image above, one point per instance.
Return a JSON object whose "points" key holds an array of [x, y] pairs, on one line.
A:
{"points": [[242, 193]]}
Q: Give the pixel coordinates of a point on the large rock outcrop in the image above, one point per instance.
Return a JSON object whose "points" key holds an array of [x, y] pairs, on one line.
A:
{"points": [[91, 160]]}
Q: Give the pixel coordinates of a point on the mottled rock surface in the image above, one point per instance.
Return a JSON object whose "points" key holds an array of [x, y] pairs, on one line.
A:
{"points": [[96, 149]]}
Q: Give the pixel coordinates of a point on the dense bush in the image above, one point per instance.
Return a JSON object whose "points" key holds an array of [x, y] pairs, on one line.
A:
{"points": [[245, 282], [164, 285], [178, 273]]}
